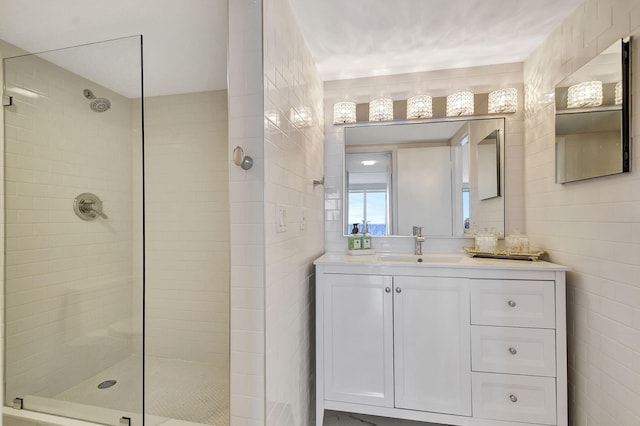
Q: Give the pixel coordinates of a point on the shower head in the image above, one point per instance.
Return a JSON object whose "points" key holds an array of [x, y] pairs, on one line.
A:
{"points": [[98, 104]]}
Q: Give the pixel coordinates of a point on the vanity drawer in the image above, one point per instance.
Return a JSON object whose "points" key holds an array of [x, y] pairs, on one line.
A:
{"points": [[529, 351], [507, 397], [513, 303]]}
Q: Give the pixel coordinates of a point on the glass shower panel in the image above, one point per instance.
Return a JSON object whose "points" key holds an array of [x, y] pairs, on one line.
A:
{"points": [[74, 232]]}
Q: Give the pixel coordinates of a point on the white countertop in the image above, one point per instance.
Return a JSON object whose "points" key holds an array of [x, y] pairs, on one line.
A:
{"points": [[435, 260]]}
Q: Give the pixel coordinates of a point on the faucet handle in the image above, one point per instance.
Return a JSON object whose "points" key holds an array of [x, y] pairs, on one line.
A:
{"points": [[417, 231]]}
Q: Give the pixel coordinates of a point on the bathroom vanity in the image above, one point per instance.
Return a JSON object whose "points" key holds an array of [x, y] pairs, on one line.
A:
{"points": [[441, 338]]}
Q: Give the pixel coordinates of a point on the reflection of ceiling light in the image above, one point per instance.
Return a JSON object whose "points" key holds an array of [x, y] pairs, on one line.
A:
{"points": [[24, 92], [460, 103], [368, 162], [344, 112], [271, 118], [300, 116], [503, 100], [381, 109], [618, 93], [585, 94], [419, 107]]}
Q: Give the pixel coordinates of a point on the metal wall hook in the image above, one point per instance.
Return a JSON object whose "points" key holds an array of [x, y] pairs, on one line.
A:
{"points": [[243, 161]]}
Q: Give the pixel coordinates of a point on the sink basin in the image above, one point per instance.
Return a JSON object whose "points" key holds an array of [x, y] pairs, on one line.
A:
{"points": [[425, 258]]}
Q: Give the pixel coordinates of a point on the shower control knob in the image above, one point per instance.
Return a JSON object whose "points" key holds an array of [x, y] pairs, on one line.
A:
{"points": [[512, 303], [513, 351]]}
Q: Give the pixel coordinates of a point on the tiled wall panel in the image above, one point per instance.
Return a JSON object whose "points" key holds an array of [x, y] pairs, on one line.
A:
{"points": [[293, 159], [591, 226], [187, 227], [246, 195]]}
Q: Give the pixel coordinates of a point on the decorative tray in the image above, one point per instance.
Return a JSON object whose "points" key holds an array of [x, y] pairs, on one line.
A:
{"points": [[503, 254]]}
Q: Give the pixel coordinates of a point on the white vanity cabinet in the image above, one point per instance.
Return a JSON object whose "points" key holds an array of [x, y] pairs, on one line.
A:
{"points": [[476, 343]]}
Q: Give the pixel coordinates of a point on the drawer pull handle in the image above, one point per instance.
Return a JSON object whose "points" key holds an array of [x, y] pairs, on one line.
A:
{"points": [[387, 289], [512, 303], [513, 398], [513, 351], [398, 290]]}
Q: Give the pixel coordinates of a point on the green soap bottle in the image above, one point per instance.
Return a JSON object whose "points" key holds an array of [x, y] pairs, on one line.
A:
{"points": [[355, 239]]}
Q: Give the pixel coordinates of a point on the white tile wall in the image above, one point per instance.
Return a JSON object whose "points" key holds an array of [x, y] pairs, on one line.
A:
{"points": [[246, 195], [293, 159], [401, 86], [66, 278], [187, 227], [592, 226]]}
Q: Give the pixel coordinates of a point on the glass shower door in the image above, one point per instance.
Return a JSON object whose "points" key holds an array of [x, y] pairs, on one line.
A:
{"points": [[74, 232]]}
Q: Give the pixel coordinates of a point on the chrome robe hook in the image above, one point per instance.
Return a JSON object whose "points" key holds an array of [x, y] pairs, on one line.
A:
{"points": [[243, 161]]}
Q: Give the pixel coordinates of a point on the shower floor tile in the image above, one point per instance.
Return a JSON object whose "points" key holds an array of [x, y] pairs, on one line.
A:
{"points": [[178, 393]]}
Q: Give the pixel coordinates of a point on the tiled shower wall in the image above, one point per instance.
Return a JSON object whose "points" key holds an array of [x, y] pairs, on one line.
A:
{"points": [[402, 86], [187, 227], [591, 226], [246, 197], [66, 278], [293, 159]]}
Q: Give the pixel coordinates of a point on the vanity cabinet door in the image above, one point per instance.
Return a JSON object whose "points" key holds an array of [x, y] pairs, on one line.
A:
{"points": [[432, 344], [358, 339]]}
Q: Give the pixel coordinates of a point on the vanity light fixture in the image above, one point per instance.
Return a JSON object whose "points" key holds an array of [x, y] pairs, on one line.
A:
{"points": [[503, 100], [586, 94], [344, 112], [300, 116], [368, 162], [420, 106], [381, 109], [618, 93], [459, 103]]}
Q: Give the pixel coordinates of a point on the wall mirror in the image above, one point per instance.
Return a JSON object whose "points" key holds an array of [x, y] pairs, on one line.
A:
{"points": [[446, 176], [592, 117]]}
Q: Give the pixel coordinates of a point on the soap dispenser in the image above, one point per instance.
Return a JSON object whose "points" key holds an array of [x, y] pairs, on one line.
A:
{"points": [[366, 236], [355, 239]]}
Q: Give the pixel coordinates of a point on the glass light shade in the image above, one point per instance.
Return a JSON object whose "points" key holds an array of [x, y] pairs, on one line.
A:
{"points": [[381, 109], [300, 116], [460, 103], [503, 100], [271, 118], [420, 106], [344, 112], [618, 93], [585, 94]]}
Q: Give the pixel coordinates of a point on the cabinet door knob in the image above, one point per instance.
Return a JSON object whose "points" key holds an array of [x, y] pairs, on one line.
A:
{"points": [[513, 351], [387, 289], [398, 290], [512, 303], [513, 398]]}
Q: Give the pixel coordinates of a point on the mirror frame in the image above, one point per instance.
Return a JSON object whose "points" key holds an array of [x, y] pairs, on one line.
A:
{"points": [[625, 119], [501, 164]]}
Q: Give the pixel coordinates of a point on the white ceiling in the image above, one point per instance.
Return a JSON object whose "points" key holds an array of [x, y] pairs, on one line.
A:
{"points": [[185, 41], [361, 38]]}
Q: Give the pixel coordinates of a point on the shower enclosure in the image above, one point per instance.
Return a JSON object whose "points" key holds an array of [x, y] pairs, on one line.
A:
{"points": [[95, 328]]}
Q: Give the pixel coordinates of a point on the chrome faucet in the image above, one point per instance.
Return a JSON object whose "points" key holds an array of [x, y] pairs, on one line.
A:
{"points": [[417, 233]]}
